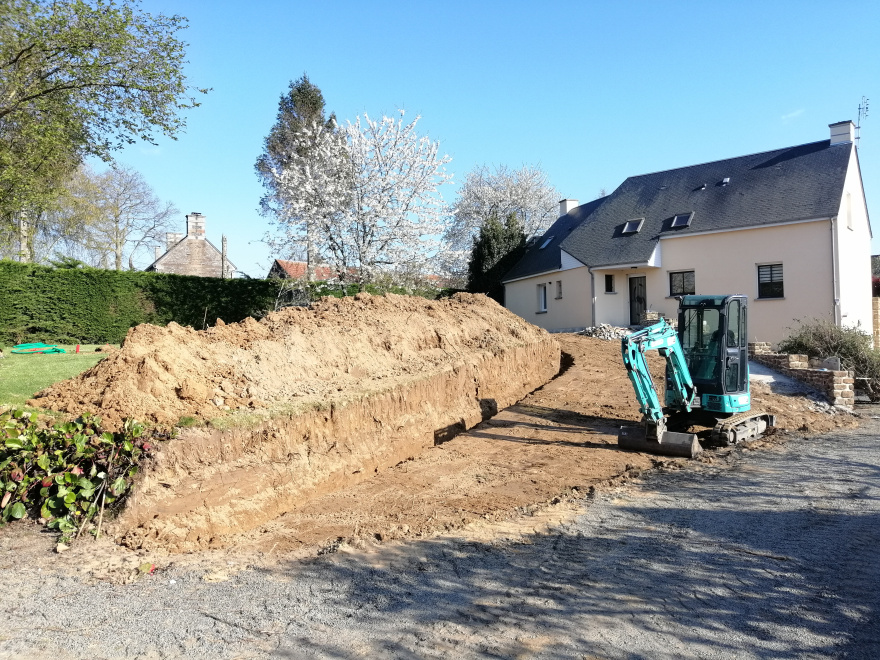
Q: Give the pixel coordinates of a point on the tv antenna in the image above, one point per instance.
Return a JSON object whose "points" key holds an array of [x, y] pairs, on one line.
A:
{"points": [[863, 113]]}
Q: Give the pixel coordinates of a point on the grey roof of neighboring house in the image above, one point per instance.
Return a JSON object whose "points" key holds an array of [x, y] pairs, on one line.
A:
{"points": [[537, 260], [796, 183]]}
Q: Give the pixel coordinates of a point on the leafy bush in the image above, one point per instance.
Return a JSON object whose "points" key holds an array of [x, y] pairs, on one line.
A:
{"points": [[821, 339], [66, 474]]}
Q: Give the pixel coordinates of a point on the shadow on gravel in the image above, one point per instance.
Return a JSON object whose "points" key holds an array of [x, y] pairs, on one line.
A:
{"points": [[747, 571]]}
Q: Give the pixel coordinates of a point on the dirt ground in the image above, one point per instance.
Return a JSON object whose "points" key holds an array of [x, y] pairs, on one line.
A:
{"points": [[552, 447]]}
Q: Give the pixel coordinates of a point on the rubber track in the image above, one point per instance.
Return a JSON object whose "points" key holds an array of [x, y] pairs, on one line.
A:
{"points": [[719, 433]]}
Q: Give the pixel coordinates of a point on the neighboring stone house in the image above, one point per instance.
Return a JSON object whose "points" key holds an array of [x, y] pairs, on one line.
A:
{"points": [[192, 253], [789, 228], [296, 270]]}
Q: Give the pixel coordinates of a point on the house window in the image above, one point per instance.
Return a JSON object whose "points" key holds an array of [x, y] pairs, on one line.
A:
{"points": [[558, 289], [682, 284], [770, 281], [609, 284], [546, 242], [542, 298], [682, 219], [633, 226]]}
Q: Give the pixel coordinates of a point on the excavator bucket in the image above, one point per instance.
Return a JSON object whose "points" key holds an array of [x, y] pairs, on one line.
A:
{"points": [[670, 444]]}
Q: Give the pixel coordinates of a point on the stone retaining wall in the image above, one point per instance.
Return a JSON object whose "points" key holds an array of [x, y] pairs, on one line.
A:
{"points": [[836, 385]]}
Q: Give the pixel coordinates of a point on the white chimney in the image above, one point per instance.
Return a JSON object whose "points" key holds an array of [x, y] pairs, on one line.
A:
{"points": [[566, 205], [157, 252], [171, 239], [842, 131], [195, 226]]}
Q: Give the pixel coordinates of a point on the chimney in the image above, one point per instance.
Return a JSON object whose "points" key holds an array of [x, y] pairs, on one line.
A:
{"points": [[224, 269], [566, 205], [195, 226], [171, 239], [157, 252], [842, 131]]}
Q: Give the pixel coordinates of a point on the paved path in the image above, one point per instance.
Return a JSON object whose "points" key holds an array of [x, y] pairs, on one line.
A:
{"points": [[774, 555]]}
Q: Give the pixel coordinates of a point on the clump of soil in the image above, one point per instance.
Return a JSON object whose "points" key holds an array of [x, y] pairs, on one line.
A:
{"points": [[290, 359]]}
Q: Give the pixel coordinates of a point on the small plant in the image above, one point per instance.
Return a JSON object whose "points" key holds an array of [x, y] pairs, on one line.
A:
{"points": [[821, 339], [68, 473]]}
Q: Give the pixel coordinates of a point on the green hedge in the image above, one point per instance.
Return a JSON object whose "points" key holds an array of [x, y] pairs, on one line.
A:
{"points": [[89, 305]]}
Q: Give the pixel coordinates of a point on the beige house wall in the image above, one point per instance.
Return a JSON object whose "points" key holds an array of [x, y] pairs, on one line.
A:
{"points": [[854, 249], [571, 311], [727, 262]]}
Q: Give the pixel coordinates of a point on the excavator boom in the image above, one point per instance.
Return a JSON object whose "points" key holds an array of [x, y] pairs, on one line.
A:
{"points": [[651, 435]]}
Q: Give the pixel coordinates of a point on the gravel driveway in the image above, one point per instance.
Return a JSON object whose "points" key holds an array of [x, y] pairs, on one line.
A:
{"points": [[768, 554]]}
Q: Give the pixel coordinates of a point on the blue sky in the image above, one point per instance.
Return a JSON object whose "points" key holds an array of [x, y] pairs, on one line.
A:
{"points": [[592, 92]]}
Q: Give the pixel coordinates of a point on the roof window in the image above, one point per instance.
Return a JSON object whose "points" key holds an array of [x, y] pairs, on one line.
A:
{"points": [[546, 243], [682, 220], [725, 181], [633, 226]]}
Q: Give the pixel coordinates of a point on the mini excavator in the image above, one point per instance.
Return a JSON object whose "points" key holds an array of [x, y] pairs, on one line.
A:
{"points": [[707, 379]]}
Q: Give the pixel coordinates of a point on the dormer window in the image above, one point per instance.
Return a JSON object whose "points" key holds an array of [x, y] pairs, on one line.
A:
{"points": [[547, 242], [633, 226], [682, 220]]}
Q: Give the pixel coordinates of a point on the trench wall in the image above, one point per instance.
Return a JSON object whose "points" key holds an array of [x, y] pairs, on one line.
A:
{"points": [[836, 385], [207, 484]]}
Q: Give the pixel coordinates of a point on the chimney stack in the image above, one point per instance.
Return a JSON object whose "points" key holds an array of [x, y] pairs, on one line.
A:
{"points": [[157, 252], [195, 226], [224, 269], [566, 205], [842, 131], [171, 239]]}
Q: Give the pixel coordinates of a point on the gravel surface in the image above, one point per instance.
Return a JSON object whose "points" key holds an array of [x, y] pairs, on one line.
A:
{"points": [[768, 553]]}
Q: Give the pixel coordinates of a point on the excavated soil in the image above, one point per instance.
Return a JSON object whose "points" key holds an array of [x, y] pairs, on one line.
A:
{"points": [[302, 403], [291, 360], [525, 468]]}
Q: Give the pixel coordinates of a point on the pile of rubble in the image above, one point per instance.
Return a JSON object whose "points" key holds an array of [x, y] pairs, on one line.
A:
{"points": [[605, 331], [821, 406]]}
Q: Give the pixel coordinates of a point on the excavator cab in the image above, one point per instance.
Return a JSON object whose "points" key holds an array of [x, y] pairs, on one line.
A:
{"points": [[713, 334]]}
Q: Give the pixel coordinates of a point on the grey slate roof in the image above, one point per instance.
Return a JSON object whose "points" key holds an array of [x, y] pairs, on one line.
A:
{"points": [[796, 183], [537, 260]]}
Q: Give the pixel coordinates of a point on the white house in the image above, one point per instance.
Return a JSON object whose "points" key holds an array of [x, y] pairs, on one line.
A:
{"points": [[789, 228]]}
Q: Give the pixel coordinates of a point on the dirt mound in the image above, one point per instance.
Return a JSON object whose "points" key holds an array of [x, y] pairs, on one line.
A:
{"points": [[303, 402], [293, 359]]}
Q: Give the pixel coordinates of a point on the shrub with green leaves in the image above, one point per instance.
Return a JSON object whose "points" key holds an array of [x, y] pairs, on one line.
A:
{"points": [[68, 473], [822, 339]]}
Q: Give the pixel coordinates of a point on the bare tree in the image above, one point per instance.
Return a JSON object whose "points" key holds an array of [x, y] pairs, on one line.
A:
{"points": [[118, 216]]}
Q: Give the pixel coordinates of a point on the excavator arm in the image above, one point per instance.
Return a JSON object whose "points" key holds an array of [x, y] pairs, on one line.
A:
{"points": [[662, 338], [651, 435]]}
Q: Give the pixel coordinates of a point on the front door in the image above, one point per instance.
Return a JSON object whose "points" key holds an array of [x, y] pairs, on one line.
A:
{"points": [[637, 299]]}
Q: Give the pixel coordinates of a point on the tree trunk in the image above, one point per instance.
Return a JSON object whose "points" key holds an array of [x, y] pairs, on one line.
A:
{"points": [[23, 227], [310, 255]]}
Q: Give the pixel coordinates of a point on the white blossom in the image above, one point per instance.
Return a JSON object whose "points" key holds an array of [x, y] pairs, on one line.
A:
{"points": [[484, 193], [367, 196]]}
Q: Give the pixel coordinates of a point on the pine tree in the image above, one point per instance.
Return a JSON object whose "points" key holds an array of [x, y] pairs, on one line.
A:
{"points": [[496, 249], [299, 110]]}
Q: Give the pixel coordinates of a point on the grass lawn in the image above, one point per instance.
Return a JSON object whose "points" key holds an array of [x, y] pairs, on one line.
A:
{"points": [[22, 376]]}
